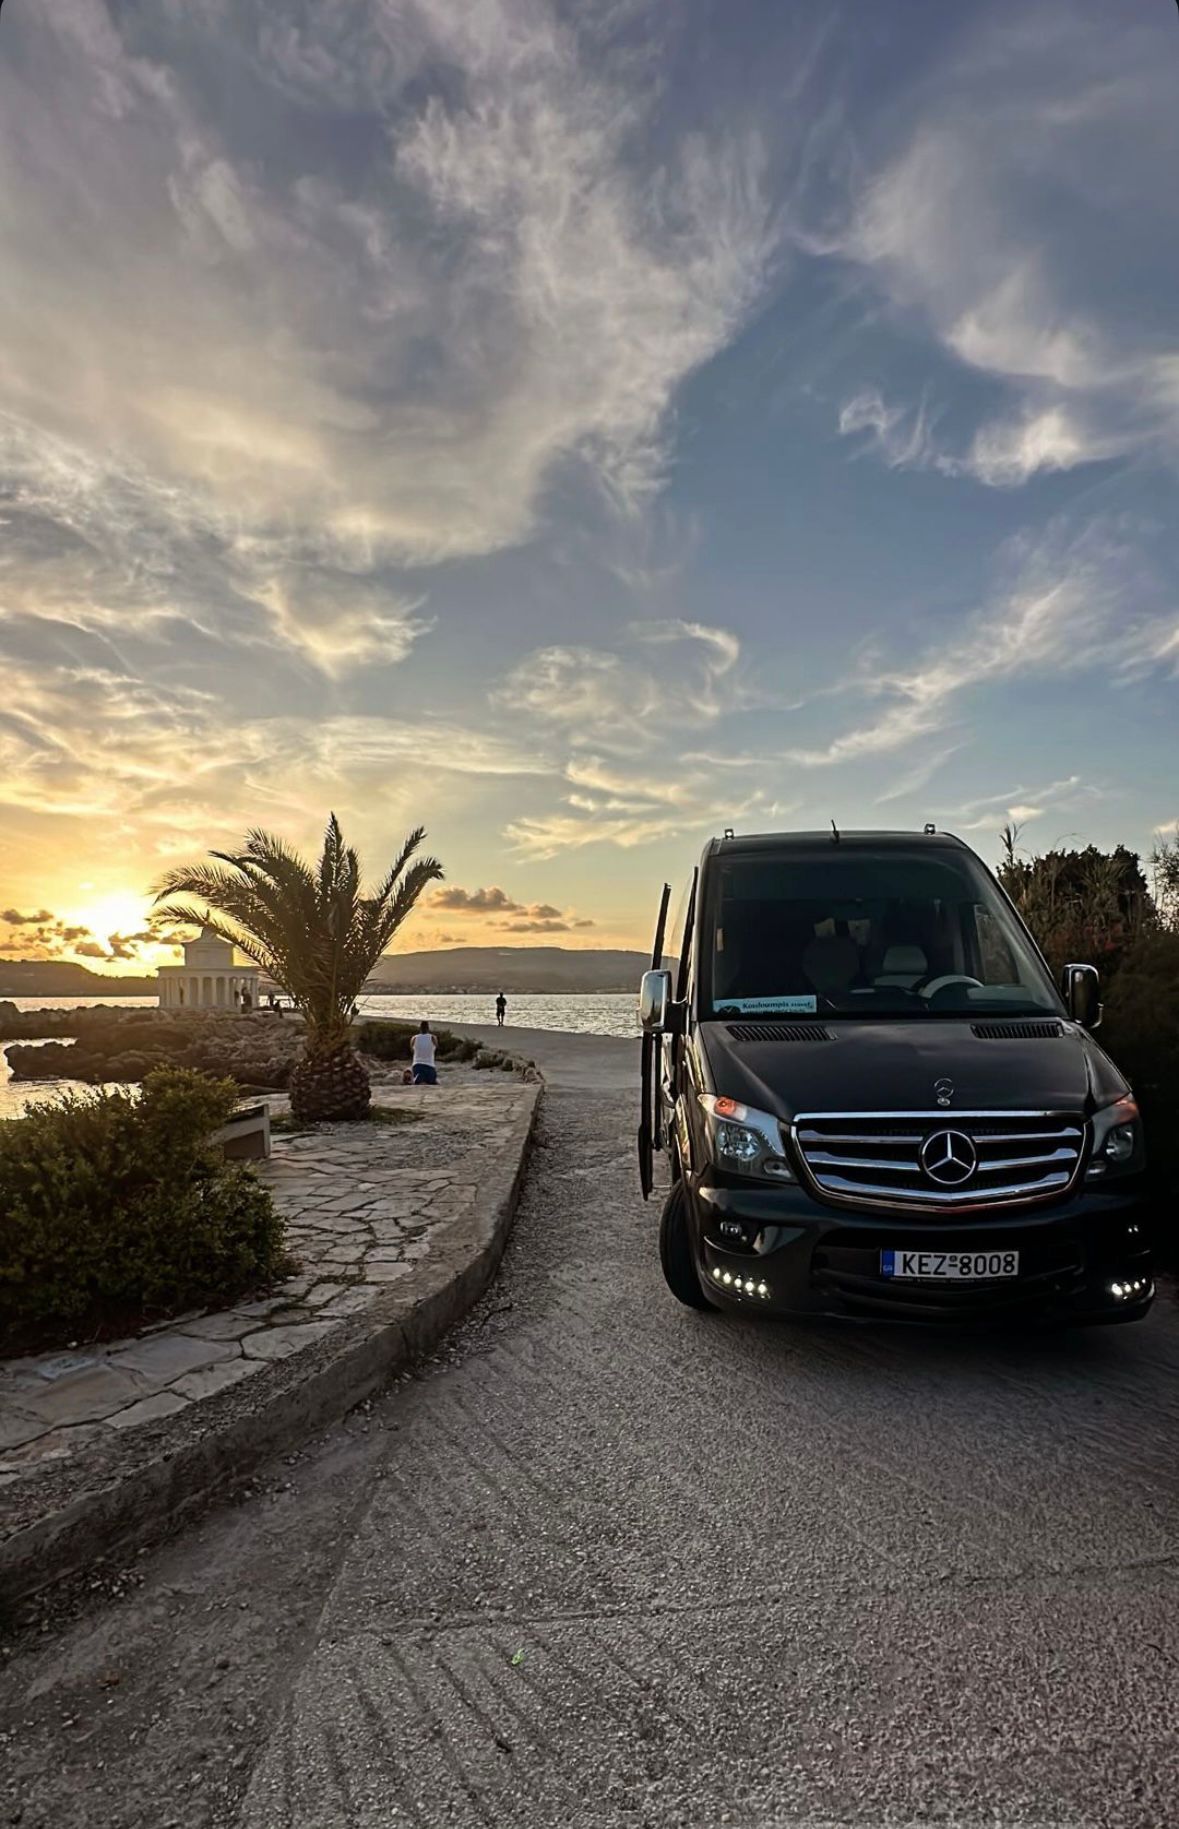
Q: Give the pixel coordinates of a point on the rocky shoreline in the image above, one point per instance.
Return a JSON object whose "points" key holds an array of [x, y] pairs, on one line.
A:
{"points": [[107, 1045]]}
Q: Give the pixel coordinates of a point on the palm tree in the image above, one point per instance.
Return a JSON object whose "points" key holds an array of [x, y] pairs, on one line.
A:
{"points": [[315, 934]]}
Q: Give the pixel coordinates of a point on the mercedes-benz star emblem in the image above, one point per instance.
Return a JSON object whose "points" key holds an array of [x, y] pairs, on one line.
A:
{"points": [[944, 1090], [949, 1158]]}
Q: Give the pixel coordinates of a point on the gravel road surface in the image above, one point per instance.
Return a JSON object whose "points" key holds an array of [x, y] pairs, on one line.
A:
{"points": [[608, 1562]]}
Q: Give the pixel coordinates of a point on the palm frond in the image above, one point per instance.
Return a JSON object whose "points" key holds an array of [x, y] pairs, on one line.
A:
{"points": [[312, 930], [385, 888]]}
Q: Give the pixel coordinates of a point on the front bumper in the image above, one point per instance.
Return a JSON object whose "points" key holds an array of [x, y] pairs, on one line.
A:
{"points": [[1082, 1260]]}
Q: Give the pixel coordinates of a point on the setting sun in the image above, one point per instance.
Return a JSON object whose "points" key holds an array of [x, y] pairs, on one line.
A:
{"points": [[111, 932], [120, 912]]}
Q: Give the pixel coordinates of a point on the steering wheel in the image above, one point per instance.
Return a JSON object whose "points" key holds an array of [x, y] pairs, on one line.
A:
{"points": [[933, 985]]}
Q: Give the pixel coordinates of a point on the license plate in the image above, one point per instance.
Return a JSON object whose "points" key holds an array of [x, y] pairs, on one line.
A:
{"points": [[950, 1266]]}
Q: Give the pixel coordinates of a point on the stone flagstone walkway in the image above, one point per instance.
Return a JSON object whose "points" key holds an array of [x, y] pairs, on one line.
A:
{"points": [[360, 1202]]}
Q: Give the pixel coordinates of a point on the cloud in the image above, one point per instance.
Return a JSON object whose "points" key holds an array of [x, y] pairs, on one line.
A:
{"points": [[1074, 602], [918, 777], [1018, 805], [900, 435], [495, 903], [979, 221], [99, 543], [1003, 453], [476, 901], [45, 935], [542, 927], [615, 699], [628, 810], [358, 348], [83, 738], [342, 297], [1006, 453]]}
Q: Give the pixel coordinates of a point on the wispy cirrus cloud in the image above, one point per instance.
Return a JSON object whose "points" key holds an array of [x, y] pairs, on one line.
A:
{"points": [[343, 355], [343, 296], [979, 221], [390, 348], [617, 698], [1071, 603], [1002, 453], [1021, 804], [612, 803], [606, 706], [900, 435], [82, 741]]}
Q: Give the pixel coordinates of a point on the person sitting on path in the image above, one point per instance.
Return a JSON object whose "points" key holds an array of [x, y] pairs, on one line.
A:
{"points": [[423, 1049], [501, 1006]]}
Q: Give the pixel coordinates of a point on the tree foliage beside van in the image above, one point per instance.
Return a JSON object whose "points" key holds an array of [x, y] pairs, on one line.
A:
{"points": [[1099, 906]]}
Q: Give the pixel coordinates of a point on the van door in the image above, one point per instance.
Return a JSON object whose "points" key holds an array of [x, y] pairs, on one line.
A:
{"points": [[681, 991], [651, 1069]]}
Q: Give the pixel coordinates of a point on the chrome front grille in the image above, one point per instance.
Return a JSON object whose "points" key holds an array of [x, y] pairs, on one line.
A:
{"points": [[942, 1161]]}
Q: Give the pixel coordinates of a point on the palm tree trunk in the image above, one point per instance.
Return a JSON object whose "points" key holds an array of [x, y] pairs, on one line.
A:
{"points": [[329, 1084]]}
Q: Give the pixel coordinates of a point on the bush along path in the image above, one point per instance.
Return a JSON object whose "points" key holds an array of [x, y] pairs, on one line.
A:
{"points": [[117, 1210]]}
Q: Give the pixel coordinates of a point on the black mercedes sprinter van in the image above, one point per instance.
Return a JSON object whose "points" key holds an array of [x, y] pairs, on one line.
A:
{"points": [[873, 1098]]}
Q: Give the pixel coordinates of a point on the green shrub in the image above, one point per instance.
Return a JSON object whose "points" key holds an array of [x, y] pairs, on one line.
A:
{"points": [[1096, 907], [1140, 1029], [115, 1207]]}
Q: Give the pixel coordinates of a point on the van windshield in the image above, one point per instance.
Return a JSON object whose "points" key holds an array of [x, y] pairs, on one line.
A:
{"points": [[855, 932]]}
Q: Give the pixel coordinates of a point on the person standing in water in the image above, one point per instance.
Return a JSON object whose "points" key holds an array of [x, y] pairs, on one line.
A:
{"points": [[501, 1007]]}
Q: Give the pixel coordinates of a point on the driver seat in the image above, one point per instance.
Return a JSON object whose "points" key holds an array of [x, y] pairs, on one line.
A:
{"points": [[904, 966]]}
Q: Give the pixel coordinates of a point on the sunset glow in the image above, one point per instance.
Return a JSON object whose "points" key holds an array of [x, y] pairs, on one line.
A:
{"points": [[450, 424]]}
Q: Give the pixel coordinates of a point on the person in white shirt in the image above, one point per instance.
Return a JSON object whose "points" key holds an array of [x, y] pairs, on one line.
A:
{"points": [[423, 1049]]}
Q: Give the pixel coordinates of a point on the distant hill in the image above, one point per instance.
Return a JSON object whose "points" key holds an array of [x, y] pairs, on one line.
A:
{"points": [[62, 978], [461, 968], [510, 968]]}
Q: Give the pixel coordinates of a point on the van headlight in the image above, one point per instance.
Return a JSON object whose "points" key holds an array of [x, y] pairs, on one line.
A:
{"points": [[1117, 1140], [744, 1141]]}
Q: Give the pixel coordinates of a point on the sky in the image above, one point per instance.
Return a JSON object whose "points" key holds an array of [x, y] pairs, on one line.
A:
{"points": [[577, 428]]}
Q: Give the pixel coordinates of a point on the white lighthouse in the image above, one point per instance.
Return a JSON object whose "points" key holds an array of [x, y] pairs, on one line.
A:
{"points": [[209, 979]]}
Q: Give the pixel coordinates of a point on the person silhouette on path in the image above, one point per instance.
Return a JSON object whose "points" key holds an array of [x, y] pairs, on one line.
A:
{"points": [[501, 1005]]}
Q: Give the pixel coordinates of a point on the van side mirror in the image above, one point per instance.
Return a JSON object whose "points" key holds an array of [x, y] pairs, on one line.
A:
{"points": [[654, 1001], [1082, 987]]}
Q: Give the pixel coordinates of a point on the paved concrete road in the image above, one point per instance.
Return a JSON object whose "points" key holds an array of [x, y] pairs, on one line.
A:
{"points": [[608, 1562]]}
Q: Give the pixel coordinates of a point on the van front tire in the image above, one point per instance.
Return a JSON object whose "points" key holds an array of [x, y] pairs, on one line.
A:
{"points": [[675, 1252]]}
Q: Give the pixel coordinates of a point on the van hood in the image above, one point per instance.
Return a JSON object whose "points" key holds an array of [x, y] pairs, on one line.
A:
{"points": [[871, 1065]]}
